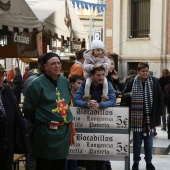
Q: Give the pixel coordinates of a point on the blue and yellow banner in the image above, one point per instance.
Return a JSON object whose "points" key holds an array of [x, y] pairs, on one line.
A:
{"points": [[87, 5]]}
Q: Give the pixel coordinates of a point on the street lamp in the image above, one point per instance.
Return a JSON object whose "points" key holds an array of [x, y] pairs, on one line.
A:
{"points": [[3, 40], [91, 27]]}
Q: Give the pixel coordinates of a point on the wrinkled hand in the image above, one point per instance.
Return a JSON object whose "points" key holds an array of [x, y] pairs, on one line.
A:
{"points": [[93, 105], [96, 65]]}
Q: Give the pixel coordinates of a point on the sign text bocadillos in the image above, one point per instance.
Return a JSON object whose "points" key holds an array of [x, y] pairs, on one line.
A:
{"points": [[101, 118]]}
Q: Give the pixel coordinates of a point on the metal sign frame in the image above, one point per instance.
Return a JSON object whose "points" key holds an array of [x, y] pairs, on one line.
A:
{"points": [[101, 134]]}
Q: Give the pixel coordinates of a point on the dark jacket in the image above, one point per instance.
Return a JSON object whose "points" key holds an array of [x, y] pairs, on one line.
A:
{"points": [[6, 122], [11, 124], [163, 81], [17, 82], [168, 103], [115, 83], [34, 71], [95, 93], [158, 101]]}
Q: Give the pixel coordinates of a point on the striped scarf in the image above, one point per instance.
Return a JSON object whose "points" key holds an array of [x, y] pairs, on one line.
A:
{"points": [[141, 105]]}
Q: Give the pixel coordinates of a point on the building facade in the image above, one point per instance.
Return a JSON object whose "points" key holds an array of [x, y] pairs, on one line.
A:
{"points": [[139, 31]]}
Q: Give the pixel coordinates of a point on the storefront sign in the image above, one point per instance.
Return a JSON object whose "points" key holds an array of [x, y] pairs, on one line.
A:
{"points": [[21, 38]]}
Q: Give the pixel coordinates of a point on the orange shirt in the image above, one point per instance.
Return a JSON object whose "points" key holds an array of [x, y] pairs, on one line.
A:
{"points": [[10, 75], [76, 69]]}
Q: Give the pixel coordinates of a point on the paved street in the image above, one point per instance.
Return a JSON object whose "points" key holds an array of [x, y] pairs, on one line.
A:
{"points": [[161, 155]]}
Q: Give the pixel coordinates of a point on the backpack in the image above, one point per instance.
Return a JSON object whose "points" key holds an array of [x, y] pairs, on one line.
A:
{"points": [[166, 89]]}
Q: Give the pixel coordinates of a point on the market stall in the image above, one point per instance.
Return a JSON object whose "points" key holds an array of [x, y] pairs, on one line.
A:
{"points": [[62, 23], [18, 28]]}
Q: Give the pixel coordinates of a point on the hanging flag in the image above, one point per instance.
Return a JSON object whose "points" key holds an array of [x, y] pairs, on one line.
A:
{"points": [[88, 5]]}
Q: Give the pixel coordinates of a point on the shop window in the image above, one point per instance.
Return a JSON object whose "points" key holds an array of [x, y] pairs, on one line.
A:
{"points": [[140, 18]]}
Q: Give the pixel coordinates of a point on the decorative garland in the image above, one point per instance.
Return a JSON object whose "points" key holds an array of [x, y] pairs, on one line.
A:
{"points": [[87, 5]]}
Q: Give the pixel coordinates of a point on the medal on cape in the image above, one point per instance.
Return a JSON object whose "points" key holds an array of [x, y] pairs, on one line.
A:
{"points": [[62, 107]]}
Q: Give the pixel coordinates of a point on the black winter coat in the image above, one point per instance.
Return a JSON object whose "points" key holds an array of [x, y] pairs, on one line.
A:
{"points": [[12, 128], [163, 81], [158, 101]]}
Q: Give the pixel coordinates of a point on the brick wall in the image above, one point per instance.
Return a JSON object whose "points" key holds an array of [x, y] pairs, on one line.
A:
{"points": [[109, 24]]}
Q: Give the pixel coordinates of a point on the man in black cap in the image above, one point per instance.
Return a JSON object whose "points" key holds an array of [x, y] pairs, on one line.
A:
{"points": [[46, 105], [33, 74]]}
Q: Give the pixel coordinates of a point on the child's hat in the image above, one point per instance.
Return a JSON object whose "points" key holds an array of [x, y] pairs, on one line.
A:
{"points": [[97, 44]]}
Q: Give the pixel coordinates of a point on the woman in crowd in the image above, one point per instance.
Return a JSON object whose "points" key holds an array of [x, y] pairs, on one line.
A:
{"points": [[163, 81], [113, 78], [17, 83]]}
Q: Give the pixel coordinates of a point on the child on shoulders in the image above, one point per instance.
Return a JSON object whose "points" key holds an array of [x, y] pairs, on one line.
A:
{"points": [[96, 57]]}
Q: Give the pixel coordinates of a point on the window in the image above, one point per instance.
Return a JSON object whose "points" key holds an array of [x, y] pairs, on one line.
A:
{"points": [[132, 65], [140, 18]]}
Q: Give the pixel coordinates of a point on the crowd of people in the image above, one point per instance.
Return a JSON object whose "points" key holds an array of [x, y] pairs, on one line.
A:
{"points": [[93, 83]]}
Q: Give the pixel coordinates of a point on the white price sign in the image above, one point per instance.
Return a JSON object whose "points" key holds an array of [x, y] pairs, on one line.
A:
{"points": [[110, 118], [101, 144]]}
